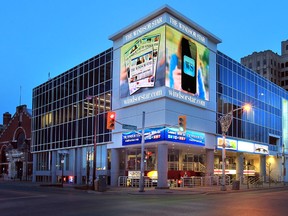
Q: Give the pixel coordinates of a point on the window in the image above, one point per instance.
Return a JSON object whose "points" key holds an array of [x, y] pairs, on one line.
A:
{"points": [[273, 140]]}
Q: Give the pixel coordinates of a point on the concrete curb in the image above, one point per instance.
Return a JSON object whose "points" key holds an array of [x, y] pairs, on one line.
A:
{"points": [[149, 191]]}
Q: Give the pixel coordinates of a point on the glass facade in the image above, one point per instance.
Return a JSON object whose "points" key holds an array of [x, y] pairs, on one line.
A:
{"points": [[68, 107], [238, 85], [62, 112]]}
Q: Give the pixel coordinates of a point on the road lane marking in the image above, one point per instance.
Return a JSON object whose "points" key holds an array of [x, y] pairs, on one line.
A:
{"points": [[23, 197]]}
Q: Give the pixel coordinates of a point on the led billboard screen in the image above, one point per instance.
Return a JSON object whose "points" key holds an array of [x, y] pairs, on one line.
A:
{"points": [[165, 57], [142, 63], [188, 64]]}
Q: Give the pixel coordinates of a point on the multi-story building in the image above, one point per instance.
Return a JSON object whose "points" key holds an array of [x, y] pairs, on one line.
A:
{"points": [[160, 68], [284, 64], [271, 65], [15, 155]]}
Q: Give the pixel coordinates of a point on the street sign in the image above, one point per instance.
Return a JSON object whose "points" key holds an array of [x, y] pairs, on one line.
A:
{"points": [[129, 127]]}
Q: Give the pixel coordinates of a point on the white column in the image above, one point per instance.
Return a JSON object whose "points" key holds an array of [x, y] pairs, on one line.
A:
{"points": [[162, 166], [53, 167], [209, 162], [239, 165], [263, 166], [78, 166], [115, 168]]}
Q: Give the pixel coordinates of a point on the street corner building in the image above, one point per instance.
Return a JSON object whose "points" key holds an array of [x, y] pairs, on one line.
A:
{"points": [[179, 109]]}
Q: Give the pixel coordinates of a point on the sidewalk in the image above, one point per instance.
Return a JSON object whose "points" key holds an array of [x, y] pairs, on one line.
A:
{"points": [[154, 191], [192, 190]]}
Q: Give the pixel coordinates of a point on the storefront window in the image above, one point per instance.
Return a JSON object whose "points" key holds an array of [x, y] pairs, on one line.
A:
{"points": [[150, 160], [133, 159], [173, 159]]}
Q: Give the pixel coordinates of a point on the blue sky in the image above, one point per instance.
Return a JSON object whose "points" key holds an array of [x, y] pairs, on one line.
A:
{"points": [[41, 37]]}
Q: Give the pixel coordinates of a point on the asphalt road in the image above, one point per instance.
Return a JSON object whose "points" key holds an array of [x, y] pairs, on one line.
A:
{"points": [[19, 199]]}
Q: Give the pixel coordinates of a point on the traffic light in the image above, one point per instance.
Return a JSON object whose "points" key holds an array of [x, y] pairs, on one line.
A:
{"points": [[111, 120], [182, 123]]}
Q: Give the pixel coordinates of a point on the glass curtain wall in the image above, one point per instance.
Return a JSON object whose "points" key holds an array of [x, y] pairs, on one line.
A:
{"points": [[67, 108], [237, 85]]}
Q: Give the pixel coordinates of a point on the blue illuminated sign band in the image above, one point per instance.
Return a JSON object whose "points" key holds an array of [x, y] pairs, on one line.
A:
{"points": [[161, 134]]}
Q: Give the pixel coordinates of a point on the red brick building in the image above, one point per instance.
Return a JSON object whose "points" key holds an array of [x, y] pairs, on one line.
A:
{"points": [[15, 139]]}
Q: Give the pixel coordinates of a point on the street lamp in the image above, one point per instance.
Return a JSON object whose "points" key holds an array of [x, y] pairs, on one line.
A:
{"points": [[283, 164], [95, 111], [225, 122]]}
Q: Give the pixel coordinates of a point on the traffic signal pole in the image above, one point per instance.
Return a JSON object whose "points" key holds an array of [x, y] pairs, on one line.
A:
{"points": [[181, 124], [141, 183]]}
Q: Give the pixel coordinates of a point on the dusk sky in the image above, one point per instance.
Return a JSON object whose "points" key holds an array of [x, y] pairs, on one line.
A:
{"points": [[38, 38]]}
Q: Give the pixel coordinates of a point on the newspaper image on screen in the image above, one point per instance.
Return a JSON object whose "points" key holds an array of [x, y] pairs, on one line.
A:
{"points": [[153, 40], [141, 69], [141, 62], [128, 54]]}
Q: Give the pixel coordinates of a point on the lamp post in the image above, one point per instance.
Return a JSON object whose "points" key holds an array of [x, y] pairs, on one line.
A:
{"points": [[225, 122], [283, 164], [95, 111]]}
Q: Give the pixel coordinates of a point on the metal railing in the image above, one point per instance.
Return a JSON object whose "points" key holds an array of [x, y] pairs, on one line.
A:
{"points": [[253, 181], [125, 181], [194, 166], [193, 181]]}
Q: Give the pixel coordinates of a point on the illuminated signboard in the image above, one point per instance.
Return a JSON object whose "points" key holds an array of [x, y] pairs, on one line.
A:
{"points": [[150, 135], [230, 144], [189, 137], [245, 146], [160, 134], [242, 146], [164, 57], [134, 174], [261, 149]]}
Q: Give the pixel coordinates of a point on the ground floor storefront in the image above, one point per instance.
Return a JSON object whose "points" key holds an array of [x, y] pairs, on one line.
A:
{"points": [[165, 165]]}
